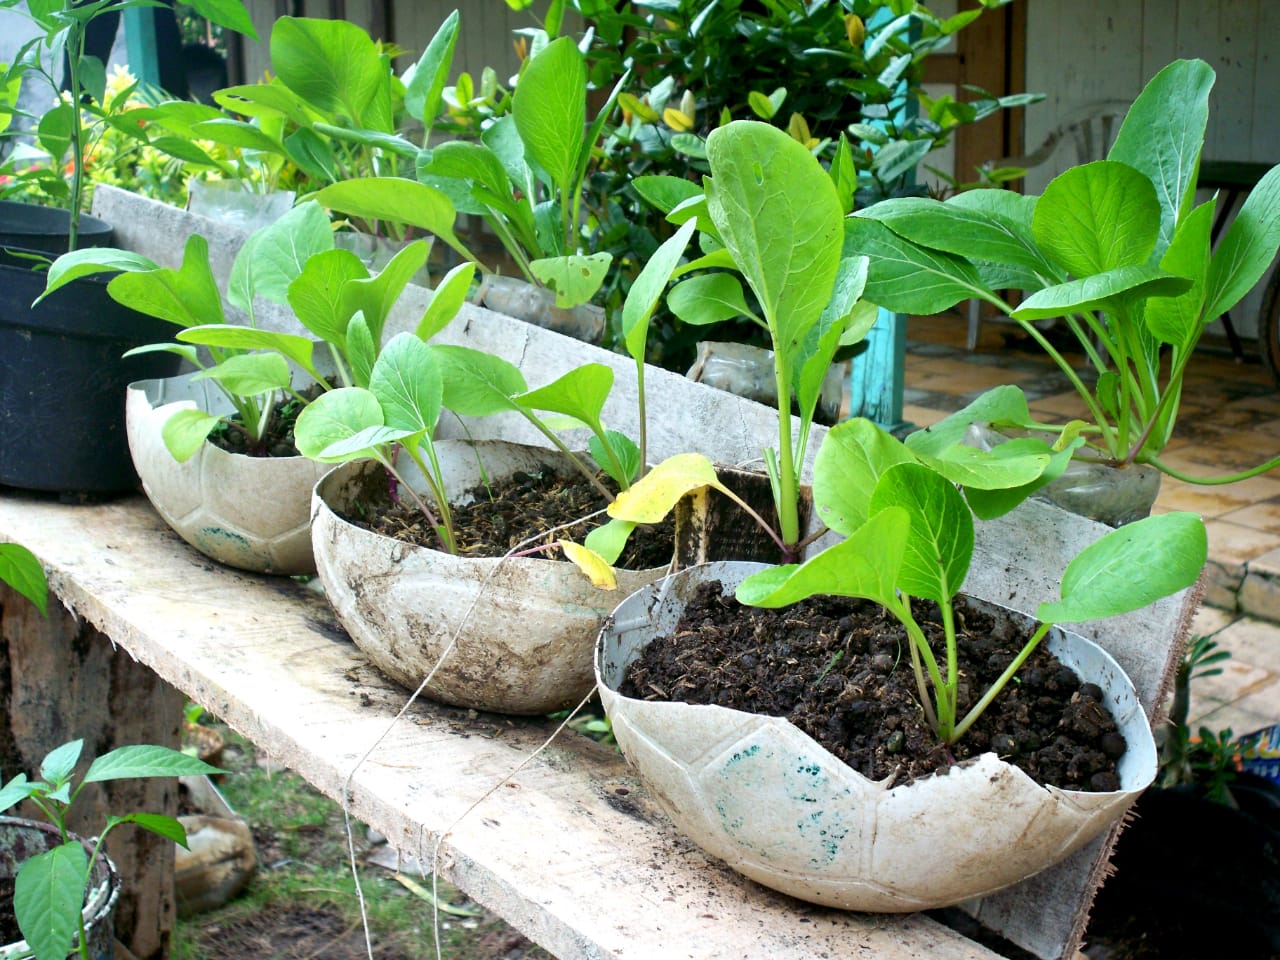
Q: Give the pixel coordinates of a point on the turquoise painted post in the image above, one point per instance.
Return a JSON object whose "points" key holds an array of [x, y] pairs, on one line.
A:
{"points": [[140, 43], [876, 377]]}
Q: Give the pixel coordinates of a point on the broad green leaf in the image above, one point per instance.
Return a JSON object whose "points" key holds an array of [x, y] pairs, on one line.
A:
{"points": [[362, 350], [91, 260], [157, 823], [146, 760], [54, 131], [778, 213], [449, 296], [665, 192], [590, 563], [316, 294], [647, 289], [709, 298], [20, 569], [407, 384], [273, 257], [187, 296], [968, 232], [1176, 320], [624, 449], [237, 133], [431, 73], [1100, 292], [478, 384], [812, 361], [989, 504], [1014, 209], [607, 541], [376, 296], [867, 564], [905, 277], [940, 545], [580, 393], [397, 200], [1003, 404], [250, 374], [655, 495], [849, 463], [234, 337], [1131, 567], [335, 66], [372, 442], [186, 431], [1162, 136], [549, 110], [335, 416], [263, 99], [1096, 217], [15, 791], [476, 164], [1248, 249], [1006, 466], [227, 13], [58, 763], [575, 278], [47, 896]]}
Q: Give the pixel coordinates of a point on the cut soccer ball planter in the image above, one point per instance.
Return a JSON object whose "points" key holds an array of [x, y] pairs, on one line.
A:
{"points": [[252, 513], [525, 626], [775, 806]]}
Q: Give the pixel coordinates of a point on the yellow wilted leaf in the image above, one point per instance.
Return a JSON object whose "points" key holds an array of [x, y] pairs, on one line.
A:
{"points": [[799, 130], [591, 563], [854, 29], [522, 48], [676, 120], [653, 496], [631, 104]]}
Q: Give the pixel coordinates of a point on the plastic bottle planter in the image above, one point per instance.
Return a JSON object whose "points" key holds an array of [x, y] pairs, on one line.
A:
{"points": [[537, 305], [22, 839], [1090, 488], [528, 629], [765, 798], [253, 513]]}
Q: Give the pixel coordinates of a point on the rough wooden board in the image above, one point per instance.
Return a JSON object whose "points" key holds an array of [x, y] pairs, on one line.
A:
{"points": [[570, 851], [1018, 561]]}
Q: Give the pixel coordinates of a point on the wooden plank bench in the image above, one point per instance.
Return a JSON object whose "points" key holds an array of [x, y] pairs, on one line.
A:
{"points": [[569, 850]]}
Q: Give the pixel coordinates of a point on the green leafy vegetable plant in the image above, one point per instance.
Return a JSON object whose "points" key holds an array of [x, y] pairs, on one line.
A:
{"points": [[63, 130], [1116, 250], [908, 533], [412, 383], [20, 569], [51, 887], [291, 262]]}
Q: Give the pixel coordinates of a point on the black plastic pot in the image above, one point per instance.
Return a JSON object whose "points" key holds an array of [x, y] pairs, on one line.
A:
{"points": [[31, 227], [63, 383]]}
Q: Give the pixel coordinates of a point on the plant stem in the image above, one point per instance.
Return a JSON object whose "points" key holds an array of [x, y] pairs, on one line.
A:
{"points": [[75, 51], [788, 494], [994, 690], [560, 445], [1213, 481]]}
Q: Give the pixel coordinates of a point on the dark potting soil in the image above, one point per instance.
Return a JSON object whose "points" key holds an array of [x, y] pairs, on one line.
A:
{"points": [[840, 670], [231, 436], [509, 512]]}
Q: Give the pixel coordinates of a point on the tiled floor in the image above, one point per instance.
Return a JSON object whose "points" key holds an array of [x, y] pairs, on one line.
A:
{"points": [[1229, 421]]}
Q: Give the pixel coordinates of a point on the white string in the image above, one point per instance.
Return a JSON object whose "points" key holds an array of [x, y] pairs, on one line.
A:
{"points": [[346, 784]]}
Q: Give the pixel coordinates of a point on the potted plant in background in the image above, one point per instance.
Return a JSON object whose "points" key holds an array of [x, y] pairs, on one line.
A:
{"points": [[215, 448], [1119, 254], [78, 337], [54, 875]]}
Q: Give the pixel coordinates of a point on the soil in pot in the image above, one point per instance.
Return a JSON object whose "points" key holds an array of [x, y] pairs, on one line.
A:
{"points": [[839, 670], [277, 441], [509, 512]]}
